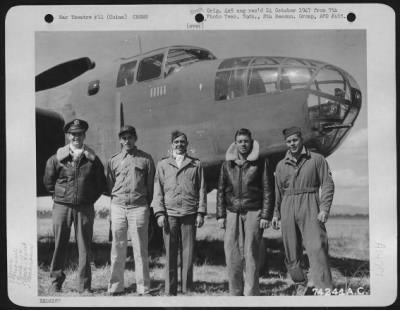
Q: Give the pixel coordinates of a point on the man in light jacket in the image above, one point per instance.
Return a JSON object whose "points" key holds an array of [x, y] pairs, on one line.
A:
{"points": [[180, 203]]}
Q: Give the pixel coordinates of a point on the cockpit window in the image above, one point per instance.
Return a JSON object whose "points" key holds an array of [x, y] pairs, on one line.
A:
{"points": [[293, 62], [235, 62], [150, 68], [180, 57], [126, 74], [331, 82], [295, 78], [230, 84], [262, 80], [260, 61]]}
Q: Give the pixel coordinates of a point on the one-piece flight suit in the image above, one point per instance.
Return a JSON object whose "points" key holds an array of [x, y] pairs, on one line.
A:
{"points": [[297, 205]]}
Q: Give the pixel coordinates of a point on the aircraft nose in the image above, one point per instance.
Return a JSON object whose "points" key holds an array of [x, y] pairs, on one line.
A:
{"points": [[333, 108]]}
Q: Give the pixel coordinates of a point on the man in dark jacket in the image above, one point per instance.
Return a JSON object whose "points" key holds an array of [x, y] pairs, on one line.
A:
{"points": [[299, 177], [75, 177], [245, 202]]}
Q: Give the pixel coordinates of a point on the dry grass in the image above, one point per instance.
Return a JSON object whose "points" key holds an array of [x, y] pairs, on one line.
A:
{"points": [[349, 258]]}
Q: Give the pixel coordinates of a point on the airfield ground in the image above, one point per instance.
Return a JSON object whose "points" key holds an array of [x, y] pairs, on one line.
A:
{"points": [[348, 249]]}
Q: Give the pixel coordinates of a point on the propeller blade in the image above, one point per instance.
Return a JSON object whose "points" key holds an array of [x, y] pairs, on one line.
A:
{"points": [[63, 73]]}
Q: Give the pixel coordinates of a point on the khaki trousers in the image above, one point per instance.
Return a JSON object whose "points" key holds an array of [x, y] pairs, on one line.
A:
{"points": [[300, 226], [136, 222], [242, 245]]}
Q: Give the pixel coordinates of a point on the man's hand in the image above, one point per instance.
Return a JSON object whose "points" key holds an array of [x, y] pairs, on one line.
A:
{"points": [[275, 223], [221, 223], [161, 221], [199, 220], [323, 216], [264, 224]]}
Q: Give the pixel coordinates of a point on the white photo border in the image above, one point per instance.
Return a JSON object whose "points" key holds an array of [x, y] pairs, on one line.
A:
{"points": [[20, 131]]}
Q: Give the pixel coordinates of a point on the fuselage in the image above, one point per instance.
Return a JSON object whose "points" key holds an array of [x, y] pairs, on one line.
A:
{"points": [[187, 88]]}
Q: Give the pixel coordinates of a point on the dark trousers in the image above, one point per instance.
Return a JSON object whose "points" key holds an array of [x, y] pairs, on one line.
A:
{"points": [[179, 234], [83, 218]]}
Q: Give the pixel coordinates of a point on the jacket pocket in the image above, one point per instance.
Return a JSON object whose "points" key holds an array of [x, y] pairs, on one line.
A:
{"points": [[140, 177], [59, 191]]}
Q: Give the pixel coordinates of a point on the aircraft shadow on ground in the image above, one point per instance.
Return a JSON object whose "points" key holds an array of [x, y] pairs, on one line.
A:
{"points": [[207, 252]]}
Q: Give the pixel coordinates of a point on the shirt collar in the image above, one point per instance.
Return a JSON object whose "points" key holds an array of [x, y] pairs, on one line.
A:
{"points": [[290, 158], [132, 152]]}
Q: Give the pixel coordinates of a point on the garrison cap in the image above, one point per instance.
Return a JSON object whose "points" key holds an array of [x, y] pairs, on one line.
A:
{"points": [[127, 129], [76, 125], [291, 131], [176, 133]]}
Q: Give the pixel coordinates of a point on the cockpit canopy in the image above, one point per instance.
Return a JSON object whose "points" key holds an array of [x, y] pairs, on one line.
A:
{"points": [[333, 100], [160, 62]]}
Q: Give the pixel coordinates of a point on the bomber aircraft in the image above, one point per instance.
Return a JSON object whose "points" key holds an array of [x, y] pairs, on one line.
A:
{"points": [[189, 88]]}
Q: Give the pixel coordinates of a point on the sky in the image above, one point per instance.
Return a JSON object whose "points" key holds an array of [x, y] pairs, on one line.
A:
{"points": [[343, 48]]}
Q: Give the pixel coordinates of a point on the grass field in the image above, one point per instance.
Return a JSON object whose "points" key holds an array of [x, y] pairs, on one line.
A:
{"points": [[348, 249]]}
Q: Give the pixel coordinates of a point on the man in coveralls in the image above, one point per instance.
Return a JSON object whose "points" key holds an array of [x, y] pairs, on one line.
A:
{"points": [[303, 212], [75, 177], [180, 203]]}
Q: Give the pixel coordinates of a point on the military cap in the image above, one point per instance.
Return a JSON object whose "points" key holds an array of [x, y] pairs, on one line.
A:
{"points": [[76, 125], [176, 133], [291, 131], [127, 129]]}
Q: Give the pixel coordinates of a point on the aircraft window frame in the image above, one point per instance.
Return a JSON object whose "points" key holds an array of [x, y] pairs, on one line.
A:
{"points": [[268, 61], [236, 62], [294, 84], [232, 87], [330, 84], [266, 84], [293, 62], [126, 73], [159, 68], [180, 60]]}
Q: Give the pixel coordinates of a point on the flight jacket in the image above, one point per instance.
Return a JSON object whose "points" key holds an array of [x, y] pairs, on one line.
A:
{"points": [[179, 191], [245, 185], [74, 183]]}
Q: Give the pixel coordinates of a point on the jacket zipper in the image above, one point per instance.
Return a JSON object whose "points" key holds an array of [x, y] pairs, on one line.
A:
{"points": [[240, 189], [76, 180]]}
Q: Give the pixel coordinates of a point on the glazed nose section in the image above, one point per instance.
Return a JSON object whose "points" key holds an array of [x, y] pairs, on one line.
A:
{"points": [[333, 106]]}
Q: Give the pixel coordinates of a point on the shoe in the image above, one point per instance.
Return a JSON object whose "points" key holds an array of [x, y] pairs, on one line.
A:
{"points": [[56, 285], [300, 289], [146, 294], [310, 291], [86, 291], [115, 293]]}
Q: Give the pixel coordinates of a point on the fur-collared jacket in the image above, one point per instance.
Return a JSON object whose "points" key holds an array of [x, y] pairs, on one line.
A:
{"points": [[79, 182], [245, 185]]}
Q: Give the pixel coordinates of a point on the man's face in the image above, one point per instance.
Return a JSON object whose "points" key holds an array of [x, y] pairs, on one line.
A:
{"points": [[179, 145], [294, 143], [128, 141], [244, 144], [76, 139]]}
